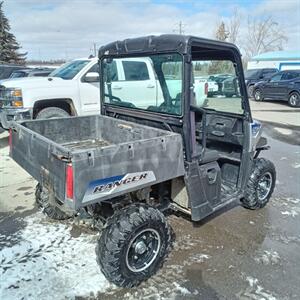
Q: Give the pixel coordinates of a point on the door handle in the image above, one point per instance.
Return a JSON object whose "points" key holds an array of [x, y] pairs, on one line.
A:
{"points": [[116, 87], [150, 86], [218, 133]]}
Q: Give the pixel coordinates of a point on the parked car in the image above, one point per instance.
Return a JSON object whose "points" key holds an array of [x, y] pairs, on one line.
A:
{"points": [[6, 70], [29, 72], [219, 78], [73, 89], [230, 87], [253, 76], [212, 85], [283, 85]]}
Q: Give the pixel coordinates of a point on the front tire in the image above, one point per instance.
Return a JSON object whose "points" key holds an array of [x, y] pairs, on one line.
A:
{"points": [[294, 99], [258, 96], [133, 245], [250, 91], [50, 208], [260, 185], [52, 112]]}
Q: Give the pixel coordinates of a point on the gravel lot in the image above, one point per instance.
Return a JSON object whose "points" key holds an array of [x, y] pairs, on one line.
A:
{"points": [[235, 254]]}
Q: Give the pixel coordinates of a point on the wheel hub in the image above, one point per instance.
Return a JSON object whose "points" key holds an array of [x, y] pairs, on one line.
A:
{"points": [[264, 186], [140, 247], [142, 250]]}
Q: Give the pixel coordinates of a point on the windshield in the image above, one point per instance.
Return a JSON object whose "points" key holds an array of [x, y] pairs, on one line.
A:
{"points": [[18, 74], [251, 73], [151, 83], [69, 70]]}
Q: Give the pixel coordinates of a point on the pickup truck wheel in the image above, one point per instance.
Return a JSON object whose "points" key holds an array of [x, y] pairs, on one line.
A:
{"points": [[294, 99], [133, 245], [52, 112], [260, 185], [52, 210]]}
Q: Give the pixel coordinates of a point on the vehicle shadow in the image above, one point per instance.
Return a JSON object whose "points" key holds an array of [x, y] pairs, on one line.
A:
{"points": [[3, 141]]}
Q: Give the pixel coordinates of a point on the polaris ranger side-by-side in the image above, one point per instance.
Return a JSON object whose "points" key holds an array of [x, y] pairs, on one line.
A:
{"points": [[131, 163]]}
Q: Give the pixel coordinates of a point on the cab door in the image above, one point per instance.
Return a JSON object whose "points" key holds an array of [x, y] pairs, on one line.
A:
{"points": [[271, 87], [282, 86], [89, 93]]}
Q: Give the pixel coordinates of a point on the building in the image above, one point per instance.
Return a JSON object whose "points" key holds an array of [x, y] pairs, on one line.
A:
{"points": [[281, 60]]}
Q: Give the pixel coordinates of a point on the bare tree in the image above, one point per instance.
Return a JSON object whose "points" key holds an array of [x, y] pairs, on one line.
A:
{"points": [[221, 33], [234, 27], [263, 36]]}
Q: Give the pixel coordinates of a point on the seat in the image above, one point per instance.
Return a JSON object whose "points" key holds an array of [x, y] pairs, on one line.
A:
{"points": [[209, 156]]}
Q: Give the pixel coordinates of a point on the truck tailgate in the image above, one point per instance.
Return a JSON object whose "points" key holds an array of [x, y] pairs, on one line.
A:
{"points": [[39, 157]]}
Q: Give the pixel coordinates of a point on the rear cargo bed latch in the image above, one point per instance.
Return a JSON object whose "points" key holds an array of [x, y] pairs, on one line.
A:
{"points": [[91, 158]]}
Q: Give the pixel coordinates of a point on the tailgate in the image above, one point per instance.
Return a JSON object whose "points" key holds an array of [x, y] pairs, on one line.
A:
{"points": [[42, 158]]}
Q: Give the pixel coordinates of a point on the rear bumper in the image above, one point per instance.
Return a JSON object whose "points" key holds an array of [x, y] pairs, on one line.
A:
{"points": [[8, 115]]}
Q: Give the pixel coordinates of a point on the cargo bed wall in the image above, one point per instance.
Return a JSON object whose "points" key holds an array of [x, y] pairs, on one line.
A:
{"points": [[77, 129], [35, 156]]}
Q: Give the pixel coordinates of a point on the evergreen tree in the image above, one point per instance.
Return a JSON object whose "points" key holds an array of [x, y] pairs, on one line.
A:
{"points": [[8, 45]]}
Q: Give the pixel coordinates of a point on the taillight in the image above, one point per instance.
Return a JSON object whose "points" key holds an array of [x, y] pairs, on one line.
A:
{"points": [[206, 88], [69, 182], [10, 140]]}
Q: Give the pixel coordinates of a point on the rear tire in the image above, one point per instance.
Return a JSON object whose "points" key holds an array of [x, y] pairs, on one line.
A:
{"points": [[50, 208], [52, 112], [260, 185], [133, 245], [294, 99], [258, 96]]}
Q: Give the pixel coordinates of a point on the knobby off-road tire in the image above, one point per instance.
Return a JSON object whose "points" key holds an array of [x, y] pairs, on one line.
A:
{"points": [[260, 185], [52, 210], [52, 112], [133, 245]]}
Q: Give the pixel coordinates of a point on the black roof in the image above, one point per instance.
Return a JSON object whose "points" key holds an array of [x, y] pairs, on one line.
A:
{"points": [[161, 43]]}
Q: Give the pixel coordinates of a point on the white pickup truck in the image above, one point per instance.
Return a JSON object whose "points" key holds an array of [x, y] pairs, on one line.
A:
{"points": [[73, 89]]}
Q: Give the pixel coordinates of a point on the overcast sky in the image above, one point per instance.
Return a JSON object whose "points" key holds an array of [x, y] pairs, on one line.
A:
{"points": [[51, 29]]}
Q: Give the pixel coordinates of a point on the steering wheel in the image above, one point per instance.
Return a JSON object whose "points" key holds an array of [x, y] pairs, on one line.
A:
{"points": [[111, 97], [174, 105]]}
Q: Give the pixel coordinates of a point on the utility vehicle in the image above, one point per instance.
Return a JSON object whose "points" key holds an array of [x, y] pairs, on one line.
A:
{"points": [[128, 165]]}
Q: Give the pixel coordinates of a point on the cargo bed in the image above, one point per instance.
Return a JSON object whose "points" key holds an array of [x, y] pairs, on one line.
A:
{"points": [[108, 156]]}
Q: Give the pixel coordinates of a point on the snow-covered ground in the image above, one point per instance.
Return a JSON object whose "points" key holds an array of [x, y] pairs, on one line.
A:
{"points": [[46, 262]]}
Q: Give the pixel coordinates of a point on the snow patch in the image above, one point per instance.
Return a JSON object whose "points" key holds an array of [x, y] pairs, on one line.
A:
{"points": [[182, 290], [296, 165], [292, 213], [48, 263], [268, 257], [255, 291]]}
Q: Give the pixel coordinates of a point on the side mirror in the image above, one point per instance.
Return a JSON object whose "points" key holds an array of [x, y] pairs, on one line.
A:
{"points": [[261, 77], [91, 77]]}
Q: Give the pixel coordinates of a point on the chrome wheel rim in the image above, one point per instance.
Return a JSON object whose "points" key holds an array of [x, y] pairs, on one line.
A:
{"points": [[257, 95], [264, 186], [142, 250], [293, 99]]}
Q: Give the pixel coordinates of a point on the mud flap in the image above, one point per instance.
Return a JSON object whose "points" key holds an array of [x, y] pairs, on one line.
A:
{"points": [[203, 183]]}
